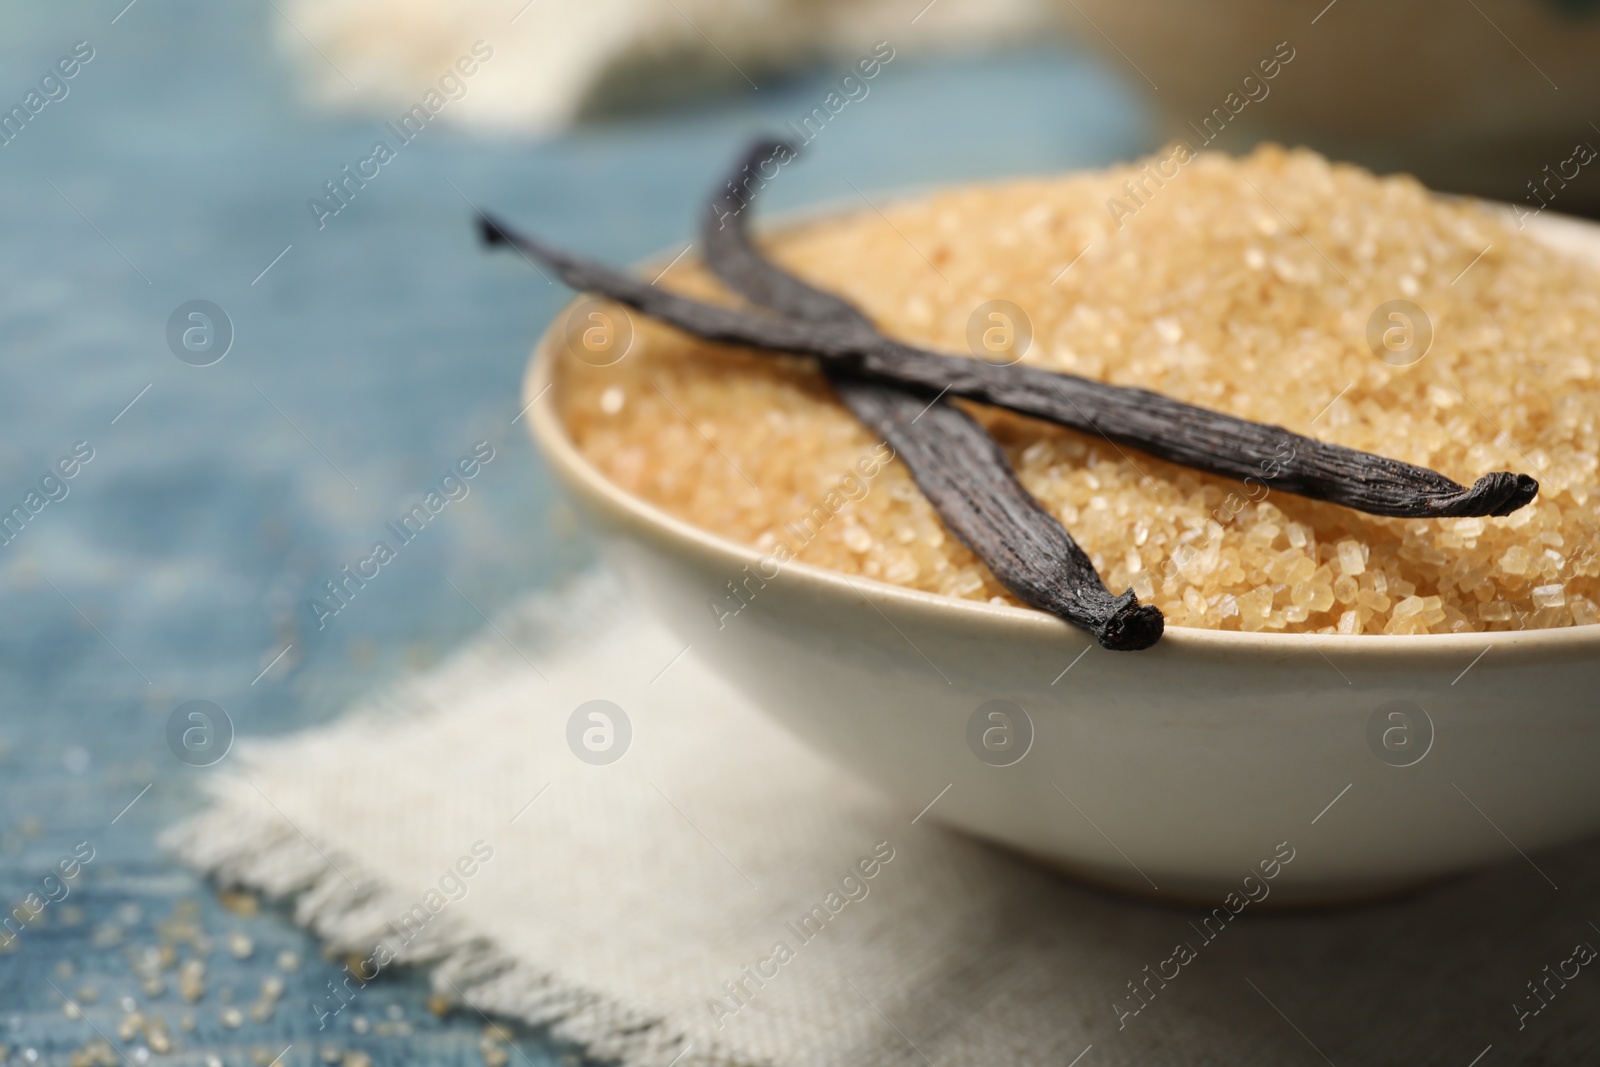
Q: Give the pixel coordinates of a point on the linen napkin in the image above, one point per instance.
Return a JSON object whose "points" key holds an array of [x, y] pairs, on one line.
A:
{"points": [[667, 878]]}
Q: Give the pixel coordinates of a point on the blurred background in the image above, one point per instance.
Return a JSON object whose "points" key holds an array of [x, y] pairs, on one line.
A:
{"points": [[167, 159]]}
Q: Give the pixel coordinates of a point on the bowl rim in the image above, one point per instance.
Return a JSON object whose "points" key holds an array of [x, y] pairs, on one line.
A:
{"points": [[549, 432]]}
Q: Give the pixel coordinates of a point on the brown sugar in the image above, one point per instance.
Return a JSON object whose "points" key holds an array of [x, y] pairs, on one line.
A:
{"points": [[1244, 285]]}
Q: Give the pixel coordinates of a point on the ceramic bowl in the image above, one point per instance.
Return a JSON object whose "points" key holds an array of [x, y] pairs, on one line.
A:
{"points": [[1478, 101], [1377, 763]]}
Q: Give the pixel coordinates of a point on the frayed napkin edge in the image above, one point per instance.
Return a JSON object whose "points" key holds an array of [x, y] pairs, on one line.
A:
{"points": [[236, 844]]}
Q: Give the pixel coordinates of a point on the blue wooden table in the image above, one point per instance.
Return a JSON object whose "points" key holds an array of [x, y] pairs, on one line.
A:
{"points": [[363, 359]]}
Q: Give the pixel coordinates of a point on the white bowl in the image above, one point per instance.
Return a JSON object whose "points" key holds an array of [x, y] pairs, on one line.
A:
{"points": [[1477, 101], [1174, 772]]}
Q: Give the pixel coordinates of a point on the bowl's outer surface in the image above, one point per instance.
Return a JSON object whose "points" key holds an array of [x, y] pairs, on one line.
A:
{"points": [[1465, 111], [1176, 771]]}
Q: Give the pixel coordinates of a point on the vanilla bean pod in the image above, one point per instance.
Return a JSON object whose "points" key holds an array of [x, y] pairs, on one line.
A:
{"points": [[960, 469], [969, 481], [1181, 433], [736, 262]]}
